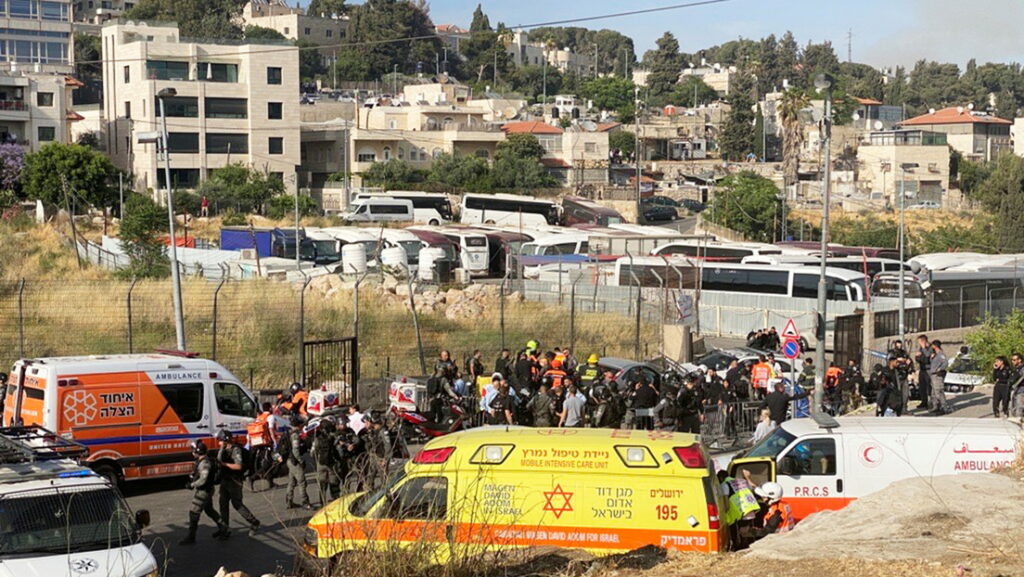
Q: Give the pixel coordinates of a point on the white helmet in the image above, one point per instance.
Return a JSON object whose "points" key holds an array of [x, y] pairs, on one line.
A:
{"points": [[770, 491]]}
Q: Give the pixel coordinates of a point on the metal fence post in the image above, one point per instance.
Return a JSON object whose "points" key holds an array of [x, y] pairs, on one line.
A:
{"points": [[216, 292], [21, 320], [131, 336], [501, 306], [416, 323], [572, 317]]}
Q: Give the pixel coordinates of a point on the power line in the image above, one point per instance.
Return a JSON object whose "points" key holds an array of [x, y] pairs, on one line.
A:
{"points": [[436, 36]]}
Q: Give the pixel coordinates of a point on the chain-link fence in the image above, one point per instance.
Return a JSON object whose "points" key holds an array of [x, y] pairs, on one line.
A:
{"points": [[255, 327]]}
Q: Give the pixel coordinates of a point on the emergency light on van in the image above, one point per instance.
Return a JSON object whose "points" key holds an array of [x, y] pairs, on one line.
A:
{"points": [[433, 456], [691, 456], [491, 454]]}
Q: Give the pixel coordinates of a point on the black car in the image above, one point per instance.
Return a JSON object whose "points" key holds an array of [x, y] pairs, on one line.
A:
{"points": [[654, 212], [692, 205]]}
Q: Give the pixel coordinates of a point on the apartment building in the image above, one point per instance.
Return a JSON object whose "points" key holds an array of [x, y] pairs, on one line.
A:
{"points": [[976, 135], [35, 108], [884, 165], [527, 53], [327, 30], [93, 14], [232, 104], [36, 35], [718, 77], [575, 155]]}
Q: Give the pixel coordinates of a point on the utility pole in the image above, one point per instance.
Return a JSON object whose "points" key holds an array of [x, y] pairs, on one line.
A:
{"points": [[823, 82], [636, 152], [179, 315]]}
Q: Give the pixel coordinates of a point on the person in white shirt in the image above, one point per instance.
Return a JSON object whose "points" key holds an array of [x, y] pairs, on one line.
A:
{"points": [[764, 427], [355, 419]]}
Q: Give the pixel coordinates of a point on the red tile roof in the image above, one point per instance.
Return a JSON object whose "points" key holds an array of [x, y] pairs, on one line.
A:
{"points": [[606, 126], [73, 116], [452, 28], [555, 163], [530, 128], [867, 101], [954, 115]]}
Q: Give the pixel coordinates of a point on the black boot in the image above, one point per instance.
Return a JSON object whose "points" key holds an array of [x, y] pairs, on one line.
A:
{"points": [[193, 526]]}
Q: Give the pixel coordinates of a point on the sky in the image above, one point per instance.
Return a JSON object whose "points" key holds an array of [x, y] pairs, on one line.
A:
{"points": [[885, 32]]}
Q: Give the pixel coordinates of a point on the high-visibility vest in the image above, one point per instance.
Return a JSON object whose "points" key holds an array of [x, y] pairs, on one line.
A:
{"points": [[557, 377], [787, 516], [832, 376], [742, 502], [258, 431], [589, 374], [761, 373]]}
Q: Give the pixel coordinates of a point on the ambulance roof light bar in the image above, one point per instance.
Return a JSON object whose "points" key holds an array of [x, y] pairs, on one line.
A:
{"points": [[825, 421], [28, 444], [176, 353]]}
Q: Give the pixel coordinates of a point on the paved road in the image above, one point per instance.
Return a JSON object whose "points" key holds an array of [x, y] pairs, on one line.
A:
{"points": [[272, 549], [684, 225]]}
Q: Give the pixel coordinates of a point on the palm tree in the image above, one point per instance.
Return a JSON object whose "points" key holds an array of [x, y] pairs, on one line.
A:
{"points": [[793, 101]]}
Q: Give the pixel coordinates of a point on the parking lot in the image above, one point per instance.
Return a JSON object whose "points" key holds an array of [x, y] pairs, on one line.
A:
{"points": [[272, 549]]}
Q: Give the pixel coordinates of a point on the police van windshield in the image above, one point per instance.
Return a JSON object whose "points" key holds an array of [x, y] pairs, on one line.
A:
{"points": [[65, 520], [771, 445], [363, 503]]}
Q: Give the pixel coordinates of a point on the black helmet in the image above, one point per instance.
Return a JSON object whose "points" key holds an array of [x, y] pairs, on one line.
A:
{"points": [[225, 435], [374, 418], [198, 447], [327, 425], [3, 377], [296, 387], [295, 421]]}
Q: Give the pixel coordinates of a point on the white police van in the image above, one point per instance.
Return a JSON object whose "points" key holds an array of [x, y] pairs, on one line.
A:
{"points": [[60, 519]]}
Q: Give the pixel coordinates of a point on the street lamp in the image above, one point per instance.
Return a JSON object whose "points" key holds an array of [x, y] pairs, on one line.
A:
{"points": [[904, 167], [823, 83], [636, 154], [179, 316]]}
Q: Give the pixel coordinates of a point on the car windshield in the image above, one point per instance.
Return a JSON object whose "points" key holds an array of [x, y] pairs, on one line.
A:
{"points": [[718, 360], [65, 520], [363, 503], [771, 445], [963, 365]]}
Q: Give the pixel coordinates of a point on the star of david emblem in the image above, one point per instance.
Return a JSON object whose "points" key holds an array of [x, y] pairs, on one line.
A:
{"points": [[559, 496]]}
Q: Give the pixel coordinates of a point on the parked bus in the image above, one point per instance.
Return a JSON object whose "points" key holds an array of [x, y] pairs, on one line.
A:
{"points": [[430, 238], [503, 247], [368, 237], [508, 209], [427, 207], [472, 246], [870, 266], [405, 239], [718, 251], [843, 250], [768, 280], [577, 210]]}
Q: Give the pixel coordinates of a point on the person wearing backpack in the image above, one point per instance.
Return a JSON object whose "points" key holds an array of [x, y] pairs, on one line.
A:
{"points": [[202, 482], [232, 460], [296, 465]]}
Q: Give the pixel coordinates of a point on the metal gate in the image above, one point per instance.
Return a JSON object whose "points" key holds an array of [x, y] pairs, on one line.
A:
{"points": [[848, 340], [332, 364]]}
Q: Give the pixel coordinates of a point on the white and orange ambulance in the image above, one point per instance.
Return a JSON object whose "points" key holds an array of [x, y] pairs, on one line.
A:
{"points": [[136, 413], [826, 463]]}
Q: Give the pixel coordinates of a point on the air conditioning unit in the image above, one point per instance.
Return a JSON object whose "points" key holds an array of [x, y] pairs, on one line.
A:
{"points": [[248, 253]]}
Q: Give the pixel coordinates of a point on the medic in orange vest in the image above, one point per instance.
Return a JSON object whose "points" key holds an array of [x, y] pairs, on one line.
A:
{"points": [[555, 377], [779, 517], [760, 375], [298, 402]]}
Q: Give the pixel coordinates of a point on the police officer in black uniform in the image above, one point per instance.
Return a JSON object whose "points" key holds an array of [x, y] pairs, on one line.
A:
{"points": [[232, 474], [203, 481], [690, 404], [296, 466], [326, 457]]}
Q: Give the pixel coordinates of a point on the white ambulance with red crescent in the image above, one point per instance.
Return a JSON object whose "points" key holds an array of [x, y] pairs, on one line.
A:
{"points": [[825, 463]]}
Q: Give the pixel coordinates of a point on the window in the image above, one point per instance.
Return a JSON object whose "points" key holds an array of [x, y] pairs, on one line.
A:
{"points": [[413, 153], [275, 145], [274, 110], [227, 143], [273, 75], [746, 281], [185, 399], [424, 498], [217, 72], [590, 147], [227, 108], [437, 152], [23, 8], [180, 178], [388, 209], [187, 142], [307, 32], [805, 286], [330, 33], [44, 99], [286, 30], [47, 133], [232, 400], [54, 10], [387, 153], [181, 107], [367, 155], [127, 74], [481, 153], [127, 109], [814, 457], [166, 70]]}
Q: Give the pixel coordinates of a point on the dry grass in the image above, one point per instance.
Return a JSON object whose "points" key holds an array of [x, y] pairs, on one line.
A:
{"points": [[916, 220], [38, 252]]}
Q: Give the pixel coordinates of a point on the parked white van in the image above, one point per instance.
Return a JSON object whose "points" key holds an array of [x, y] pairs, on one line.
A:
{"points": [[825, 463], [378, 209], [60, 518]]}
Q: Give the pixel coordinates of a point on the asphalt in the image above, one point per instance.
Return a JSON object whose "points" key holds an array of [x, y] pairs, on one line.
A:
{"points": [[271, 550]]}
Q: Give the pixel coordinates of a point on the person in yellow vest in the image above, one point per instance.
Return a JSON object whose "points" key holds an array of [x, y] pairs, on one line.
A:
{"points": [[742, 507], [589, 374]]}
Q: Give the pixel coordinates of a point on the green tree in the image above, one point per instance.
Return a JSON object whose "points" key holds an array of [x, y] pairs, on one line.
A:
{"points": [[793, 101], [283, 205], [611, 93], [327, 8], [391, 173], [1002, 194], [517, 164], [205, 19], [88, 55], [311, 64], [241, 188], [261, 33], [747, 203], [978, 236], [88, 175], [460, 172], [664, 65], [692, 91], [971, 174], [615, 51], [484, 49], [997, 338], [737, 140], [377, 30], [865, 232], [530, 81], [622, 140], [143, 224]]}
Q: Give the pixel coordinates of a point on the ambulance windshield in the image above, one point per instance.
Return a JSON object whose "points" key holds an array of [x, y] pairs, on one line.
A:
{"points": [[65, 520], [771, 445], [363, 503]]}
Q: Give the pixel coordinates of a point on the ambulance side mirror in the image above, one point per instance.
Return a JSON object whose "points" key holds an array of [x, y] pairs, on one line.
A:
{"points": [[142, 518]]}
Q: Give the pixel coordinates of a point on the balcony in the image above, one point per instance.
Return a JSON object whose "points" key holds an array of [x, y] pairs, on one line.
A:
{"points": [[13, 106], [460, 127]]}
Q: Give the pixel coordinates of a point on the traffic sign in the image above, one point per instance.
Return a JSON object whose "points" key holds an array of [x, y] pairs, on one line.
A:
{"points": [[791, 348], [790, 331]]}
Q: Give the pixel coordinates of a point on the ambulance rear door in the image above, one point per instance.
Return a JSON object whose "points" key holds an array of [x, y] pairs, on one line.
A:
{"points": [[811, 471]]}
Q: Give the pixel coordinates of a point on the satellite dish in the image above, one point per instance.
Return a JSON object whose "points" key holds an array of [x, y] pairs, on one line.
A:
{"points": [[499, 114], [931, 111], [856, 116], [970, 106], [959, 109], [588, 125], [442, 78], [817, 114], [511, 112], [878, 125]]}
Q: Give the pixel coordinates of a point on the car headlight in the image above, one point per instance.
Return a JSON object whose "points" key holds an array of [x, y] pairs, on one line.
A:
{"points": [[153, 573]]}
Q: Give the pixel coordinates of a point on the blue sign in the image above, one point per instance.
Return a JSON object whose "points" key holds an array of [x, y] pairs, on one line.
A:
{"points": [[791, 348]]}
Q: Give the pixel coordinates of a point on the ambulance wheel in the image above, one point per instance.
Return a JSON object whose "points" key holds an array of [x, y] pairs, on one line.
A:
{"points": [[434, 222], [110, 471]]}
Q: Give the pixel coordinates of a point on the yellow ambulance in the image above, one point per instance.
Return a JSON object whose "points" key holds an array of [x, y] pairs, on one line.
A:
{"points": [[497, 488]]}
